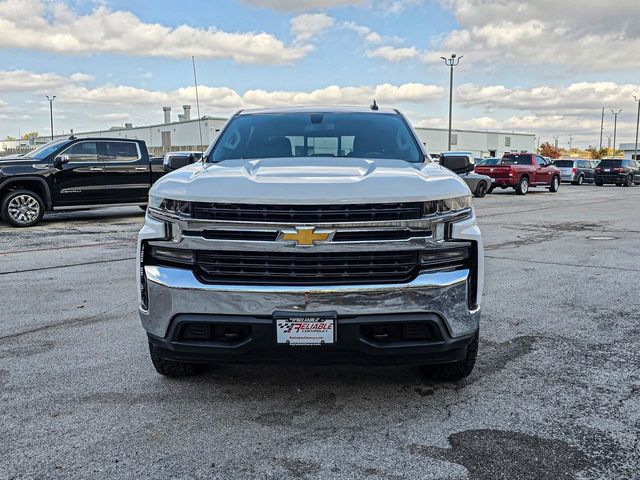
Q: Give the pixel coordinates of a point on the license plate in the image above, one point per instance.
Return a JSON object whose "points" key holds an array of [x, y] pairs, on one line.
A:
{"points": [[607, 169], [305, 329]]}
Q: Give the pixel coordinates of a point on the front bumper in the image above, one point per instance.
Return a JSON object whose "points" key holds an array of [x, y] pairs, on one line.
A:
{"points": [[439, 300]]}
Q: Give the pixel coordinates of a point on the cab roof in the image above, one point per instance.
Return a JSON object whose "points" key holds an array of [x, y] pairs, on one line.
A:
{"points": [[317, 109]]}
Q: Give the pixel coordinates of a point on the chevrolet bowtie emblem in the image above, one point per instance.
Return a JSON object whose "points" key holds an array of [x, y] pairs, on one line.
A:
{"points": [[306, 236]]}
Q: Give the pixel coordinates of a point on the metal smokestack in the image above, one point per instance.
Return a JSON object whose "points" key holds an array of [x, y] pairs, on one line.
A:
{"points": [[187, 112], [167, 114]]}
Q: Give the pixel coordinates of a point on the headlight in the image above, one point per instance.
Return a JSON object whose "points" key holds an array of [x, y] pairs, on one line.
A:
{"points": [[169, 206], [448, 205]]}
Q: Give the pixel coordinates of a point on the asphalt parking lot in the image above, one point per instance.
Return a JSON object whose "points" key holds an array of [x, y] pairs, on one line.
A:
{"points": [[555, 395]]}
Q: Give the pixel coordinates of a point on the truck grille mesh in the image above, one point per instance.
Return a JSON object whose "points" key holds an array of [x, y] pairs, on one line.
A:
{"points": [[306, 214], [306, 268]]}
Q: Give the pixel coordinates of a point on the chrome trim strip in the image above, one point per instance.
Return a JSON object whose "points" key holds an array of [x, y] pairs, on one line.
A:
{"points": [[185, 279]]}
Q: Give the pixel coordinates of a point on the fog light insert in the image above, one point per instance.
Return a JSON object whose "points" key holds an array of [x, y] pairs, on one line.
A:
{"points": [[172, 255]]}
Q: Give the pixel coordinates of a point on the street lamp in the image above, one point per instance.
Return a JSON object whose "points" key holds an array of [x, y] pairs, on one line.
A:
{"points": [[615, 128], [635, 153], [451, 62], [51, 99]]}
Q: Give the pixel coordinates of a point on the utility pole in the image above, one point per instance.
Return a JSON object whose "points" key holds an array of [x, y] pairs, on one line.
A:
{"points": [[570, 142], [635, 153], [451, 62], [615, 128], [601, 127], [51, 99]]}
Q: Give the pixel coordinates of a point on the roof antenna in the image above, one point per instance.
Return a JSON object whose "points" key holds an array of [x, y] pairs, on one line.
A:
{"points": [[374, 105], [195, 81]]}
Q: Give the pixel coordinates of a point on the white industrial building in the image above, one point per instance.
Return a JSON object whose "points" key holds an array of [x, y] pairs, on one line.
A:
{"points": [[629, 150], [185, 135]]}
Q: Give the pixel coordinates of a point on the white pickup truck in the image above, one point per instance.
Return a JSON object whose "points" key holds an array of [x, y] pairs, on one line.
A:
{"points": [[312, 235]]}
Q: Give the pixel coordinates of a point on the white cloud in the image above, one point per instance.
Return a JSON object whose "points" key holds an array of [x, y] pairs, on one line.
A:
{"points": [[22, 80], [594, 36], [54, 27], [301, 5], [307, 26], [394, 54]]}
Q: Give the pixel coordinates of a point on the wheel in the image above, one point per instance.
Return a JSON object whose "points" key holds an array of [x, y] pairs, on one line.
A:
{"points": [[555, 184], [173, 369], [22, 208], [481, 190], [580, 180], [490, 189], [628, 181], [452, 372], [523, 186]]}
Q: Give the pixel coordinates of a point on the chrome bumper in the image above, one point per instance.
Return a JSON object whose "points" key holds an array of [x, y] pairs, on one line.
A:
{"points": [[175, 291]]}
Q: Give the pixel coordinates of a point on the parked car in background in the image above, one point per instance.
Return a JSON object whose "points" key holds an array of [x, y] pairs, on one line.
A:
{"points": [[478, 184], [522, 171], [180, 159], [576, 171], [488, 161], [617, 171], [75, 173]]}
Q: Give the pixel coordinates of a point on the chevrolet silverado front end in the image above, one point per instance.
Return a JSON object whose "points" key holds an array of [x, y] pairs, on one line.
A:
{"points": [[311, 235]]}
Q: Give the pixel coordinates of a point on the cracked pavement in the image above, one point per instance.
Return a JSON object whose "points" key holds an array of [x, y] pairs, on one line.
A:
{"points": [[555, 393]]}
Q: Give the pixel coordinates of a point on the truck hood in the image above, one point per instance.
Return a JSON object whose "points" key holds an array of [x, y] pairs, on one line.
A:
{"points": [[316, 180], [16, 159]]}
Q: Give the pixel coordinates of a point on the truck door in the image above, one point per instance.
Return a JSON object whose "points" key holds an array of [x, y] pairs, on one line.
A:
{"points": [[79, 181], [127, 176], [543, 172]]}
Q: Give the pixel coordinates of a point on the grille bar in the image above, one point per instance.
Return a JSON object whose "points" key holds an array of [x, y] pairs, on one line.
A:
{"points": [[306, 268], [302, 214]]}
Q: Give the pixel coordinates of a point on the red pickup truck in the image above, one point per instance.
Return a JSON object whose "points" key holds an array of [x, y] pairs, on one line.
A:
{"points": [[521, 171]]}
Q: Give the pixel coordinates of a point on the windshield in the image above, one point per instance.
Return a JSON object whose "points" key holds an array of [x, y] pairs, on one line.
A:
{"points": [[516, 159], [610, 163], [45, 150], [563, 163], [490, 161], [277, 135]]}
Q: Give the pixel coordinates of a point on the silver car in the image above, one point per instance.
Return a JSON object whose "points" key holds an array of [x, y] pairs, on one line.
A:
{"points": [[478, 184]]}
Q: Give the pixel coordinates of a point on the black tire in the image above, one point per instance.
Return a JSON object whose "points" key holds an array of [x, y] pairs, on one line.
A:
{"points": [[555, 184], [452, 372], [580, 180], [523, 185], [481, 190], [628, 181], [22, 208], [173, 369], [490, 189]]}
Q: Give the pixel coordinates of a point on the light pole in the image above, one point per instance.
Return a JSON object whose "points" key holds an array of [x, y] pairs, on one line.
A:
{"points": [[556, 144], [615, 128], [601, 127], [635, 153], [570, 143], [451, 62], [51, 99], [608, 143]]}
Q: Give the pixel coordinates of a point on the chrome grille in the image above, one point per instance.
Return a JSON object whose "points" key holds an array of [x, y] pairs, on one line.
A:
{"points": [[306, 214]]}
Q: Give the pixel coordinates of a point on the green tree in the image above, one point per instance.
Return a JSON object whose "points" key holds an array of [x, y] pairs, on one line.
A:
{"points": [[598, 153]]}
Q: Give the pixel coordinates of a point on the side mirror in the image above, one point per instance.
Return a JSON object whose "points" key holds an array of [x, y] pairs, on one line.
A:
{"points": [[458, 163], [60, 160], [172, 163]]}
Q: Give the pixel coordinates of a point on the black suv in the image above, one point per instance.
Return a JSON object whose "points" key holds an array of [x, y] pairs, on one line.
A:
{"points": [[576, 171], [618, 171], [75, 173]]}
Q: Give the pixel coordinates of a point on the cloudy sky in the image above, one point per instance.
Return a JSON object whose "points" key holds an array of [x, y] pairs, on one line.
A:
{"points": [[540, 66]]}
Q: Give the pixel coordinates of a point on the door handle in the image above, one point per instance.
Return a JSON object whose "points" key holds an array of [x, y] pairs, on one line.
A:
{"points": [[141, 168], [96, 169]]}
